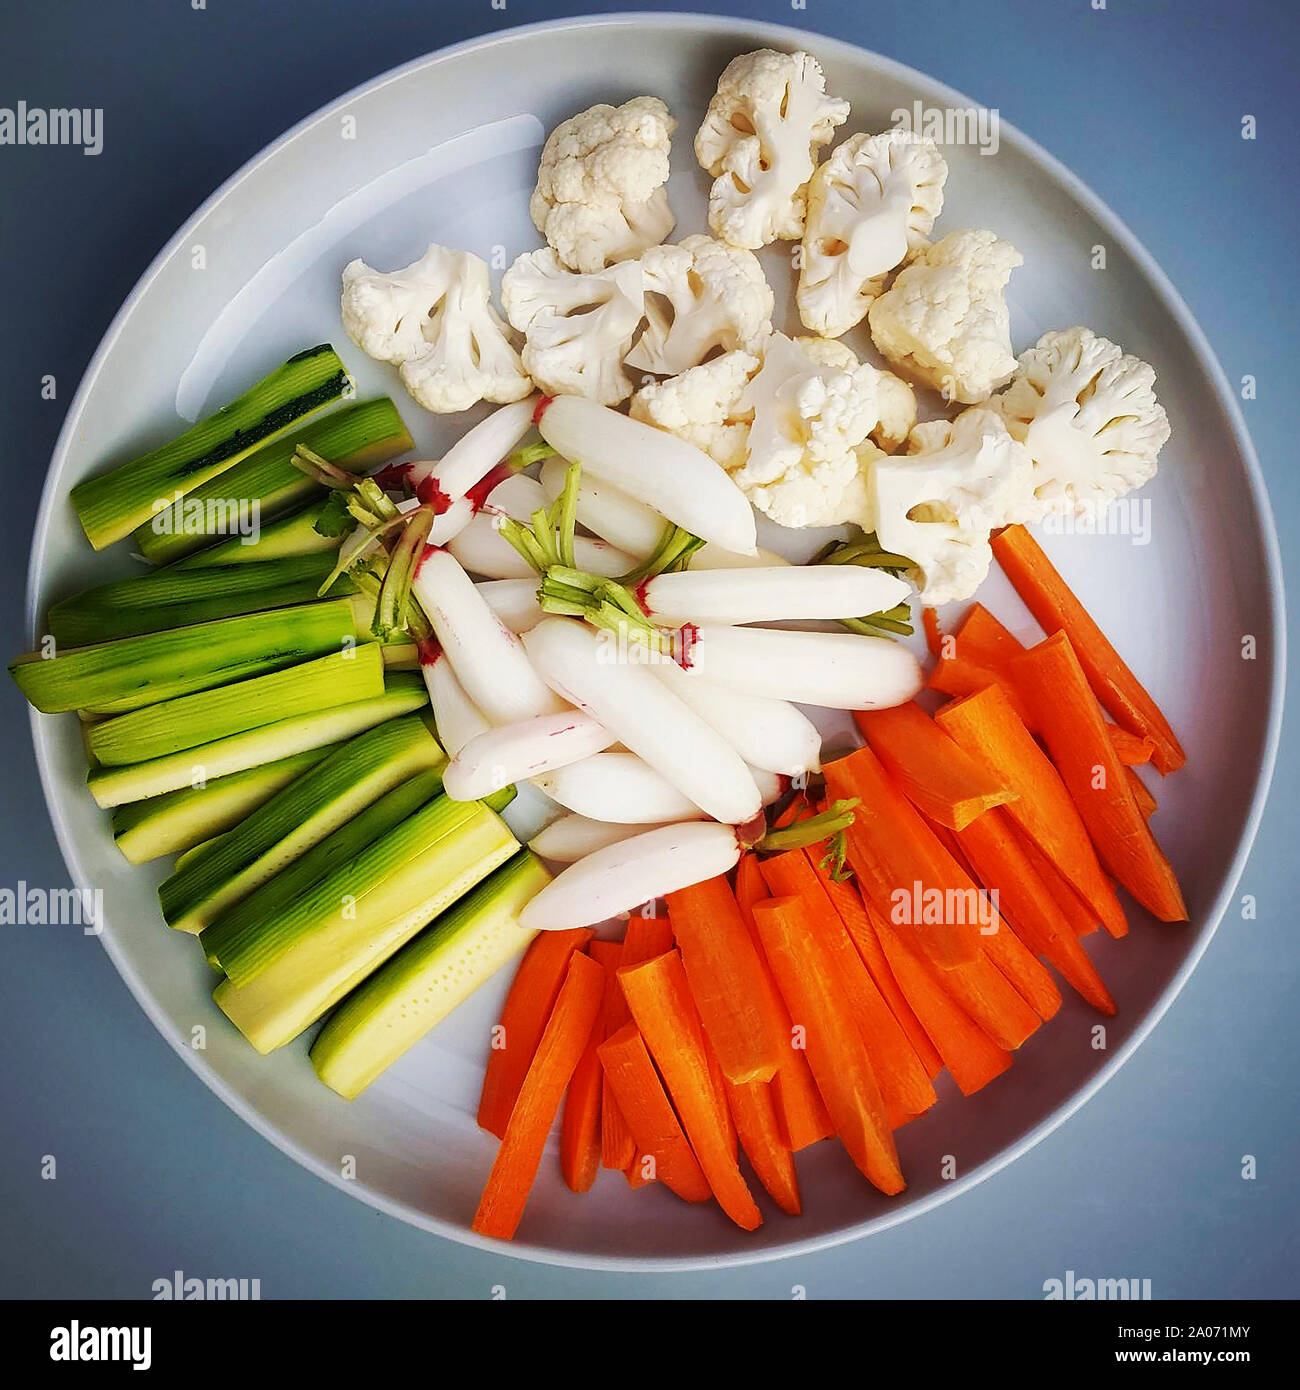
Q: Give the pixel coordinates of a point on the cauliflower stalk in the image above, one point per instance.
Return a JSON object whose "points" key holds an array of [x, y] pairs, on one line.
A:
{"points": [[601, 194], [937, 503], [434, 319], [1088, 416], [703, 406], [944, 321], [702, 296], [577, 328], [759, 141], [870, 205]]}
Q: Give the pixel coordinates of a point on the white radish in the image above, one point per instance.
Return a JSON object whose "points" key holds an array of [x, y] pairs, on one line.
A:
{"points": [[573, 837], [769, 595], [839, 670], [488, 659], [608, 511], [478, 451], [482, 549], [517, 496], [673, 477], [714, 557], [619, 788], [769, 734], [514, 601], [447, 524], [627, 698], [457, 718], [498, 758], [633, 871]]}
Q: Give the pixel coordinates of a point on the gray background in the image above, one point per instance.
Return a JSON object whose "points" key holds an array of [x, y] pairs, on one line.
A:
{"points": [[1144, 102]]}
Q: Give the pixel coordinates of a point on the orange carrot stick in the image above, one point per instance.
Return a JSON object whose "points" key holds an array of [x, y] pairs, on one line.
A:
{"points": [[1032, 981], [892, 850], [763, 1138], [1054, 605], [968, 1052], [904, 1086], [933, 632], [937, 777], [1133, 750], [650, 1117], [989, 729], [617, 1147], [580, 1143], [1146, 803], [646, 937], [981, 637], [726, 979], [1055, 685], [577, 1007], [853, 913], [1082, 919], [662, 1008], [977, 657], [836, 1053], [528, 1005], [1026, 902]]}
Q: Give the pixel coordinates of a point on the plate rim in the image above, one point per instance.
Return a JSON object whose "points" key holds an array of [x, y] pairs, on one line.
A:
{"points": [[775, 34]]}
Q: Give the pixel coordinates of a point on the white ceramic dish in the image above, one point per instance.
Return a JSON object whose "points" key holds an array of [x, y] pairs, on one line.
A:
{"points": [[445, 149]]}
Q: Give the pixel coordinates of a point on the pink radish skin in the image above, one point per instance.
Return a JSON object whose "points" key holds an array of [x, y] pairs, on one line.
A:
{"points": [[498, 758]]}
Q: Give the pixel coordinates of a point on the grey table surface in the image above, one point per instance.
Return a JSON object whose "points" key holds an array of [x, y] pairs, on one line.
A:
{"points": [[1144, 100]]}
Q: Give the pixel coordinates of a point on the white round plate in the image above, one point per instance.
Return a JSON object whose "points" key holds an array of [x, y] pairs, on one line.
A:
{"points": [[445, 149]]}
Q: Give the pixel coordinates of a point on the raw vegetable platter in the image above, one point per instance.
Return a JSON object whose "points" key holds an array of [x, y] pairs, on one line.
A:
{"points": [[436, 153]]}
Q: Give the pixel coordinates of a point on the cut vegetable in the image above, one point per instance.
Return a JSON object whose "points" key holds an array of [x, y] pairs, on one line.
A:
{"points": [[768, 595], [573, 837], [514, 601], [617, 788], [516, 752]]}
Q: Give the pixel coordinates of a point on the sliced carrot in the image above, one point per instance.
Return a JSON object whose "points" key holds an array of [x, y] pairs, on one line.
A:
{"points": [[1133, 750], [661, 1004], [933, 632], [1082, 919], [893, 850], [968, 1052], [1032, 981], [904, 1086], [580, 1140], [649, 1115], [853, 913], [528, 1005], [762, 1136], [726, 979], [1146, 803], [977, 657], [1026, 902], [799, 1105], [989, 729], [983, 638], [940, 779], [646, 937], [836, 1053], [567, 1030], [617, 1147], [1052, 602], [993, 1001], [1054, 684]]}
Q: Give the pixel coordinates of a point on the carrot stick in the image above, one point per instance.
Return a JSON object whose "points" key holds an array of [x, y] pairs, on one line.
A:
{"points": [[762, 1137], [1146, 803], [981, 637], [617, 1147], [1055, 685], [836, 1053], [725, 975], [988, 728], [1132, 750], [528, 1005], [650, 1117], [1082, 919], [853, 913], [662, 1008], [892, 850], [580, 1140], [977, 657], [904, 1086], [1002, 864], [1054, 605], [646, 937], [940, 779], [933, 632], [1032, 981], [968, 1052], [577, 1007]]}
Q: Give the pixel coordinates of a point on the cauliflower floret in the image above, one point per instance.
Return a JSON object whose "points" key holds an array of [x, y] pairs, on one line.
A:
{"points": [[703, 406], [701, 295], [577, 328], [944, 320], [801, 468], [759, 141], [937, 503], [435, 319], [600, 194], [1087, 413], [870, 204], [895, 399]]}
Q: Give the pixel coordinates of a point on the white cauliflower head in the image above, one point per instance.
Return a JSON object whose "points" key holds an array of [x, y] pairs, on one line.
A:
{"points": [[944, 320], [938, 503], [702, 296], [1088, 415], [577, 328], [870, 204], [601, 194], [435, 319], [703, 406], [895, 399], [759, 141]]}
